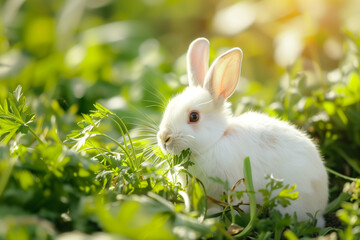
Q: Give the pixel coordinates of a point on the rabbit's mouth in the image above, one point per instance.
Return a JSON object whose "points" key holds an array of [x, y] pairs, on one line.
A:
{"points": [[169, 143], [171, 147]]}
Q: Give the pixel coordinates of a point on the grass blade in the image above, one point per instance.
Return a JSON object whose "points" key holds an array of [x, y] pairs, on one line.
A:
{"points": [[251, 194]]}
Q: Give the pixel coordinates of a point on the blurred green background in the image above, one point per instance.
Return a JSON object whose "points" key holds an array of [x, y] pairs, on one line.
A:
{"points": [[122, 53]]}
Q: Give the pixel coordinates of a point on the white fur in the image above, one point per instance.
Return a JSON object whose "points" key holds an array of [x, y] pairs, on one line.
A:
{"points": [[219, 142]]}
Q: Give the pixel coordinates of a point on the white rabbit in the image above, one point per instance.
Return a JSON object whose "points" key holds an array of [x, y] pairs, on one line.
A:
{"points": [[201, 119]]}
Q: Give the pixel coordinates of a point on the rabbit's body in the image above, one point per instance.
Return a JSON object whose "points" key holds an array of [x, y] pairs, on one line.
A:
{"points": [[274, 147], [201, 119]]}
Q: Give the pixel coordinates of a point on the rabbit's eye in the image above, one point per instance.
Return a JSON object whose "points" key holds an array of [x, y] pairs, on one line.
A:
{"points": [[194, 117]]}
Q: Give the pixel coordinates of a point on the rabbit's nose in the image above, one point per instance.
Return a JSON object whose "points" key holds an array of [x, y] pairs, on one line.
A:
{"points": [[167, 139], [165, 136]]}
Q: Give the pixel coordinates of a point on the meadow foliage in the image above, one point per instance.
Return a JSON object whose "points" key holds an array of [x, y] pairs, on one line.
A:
{"points": [[82, 88]]}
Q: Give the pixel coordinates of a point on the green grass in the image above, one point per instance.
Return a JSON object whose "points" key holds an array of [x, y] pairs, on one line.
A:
{"points": [[124, 187]]}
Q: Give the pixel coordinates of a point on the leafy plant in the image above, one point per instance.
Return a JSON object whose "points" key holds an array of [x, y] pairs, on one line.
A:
{"points": [[99, 180], [15, 116], [349, 214], [85, 184]]}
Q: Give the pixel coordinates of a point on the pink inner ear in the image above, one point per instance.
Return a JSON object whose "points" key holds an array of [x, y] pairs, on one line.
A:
{"points": [[226, 74], [198, 61]]}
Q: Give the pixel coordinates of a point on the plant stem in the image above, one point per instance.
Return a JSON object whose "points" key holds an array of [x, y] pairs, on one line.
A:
{"points": [[132, 166], [340, 175], [127, 133], [251, 193], [224, 233], [123, 133], [231, 209], [36, 136]]}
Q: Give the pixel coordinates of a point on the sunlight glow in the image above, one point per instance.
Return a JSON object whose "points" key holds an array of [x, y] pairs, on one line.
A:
{"points": [[115, 103], [288, 47], [75, 56], [10, 62], [234, 19]]}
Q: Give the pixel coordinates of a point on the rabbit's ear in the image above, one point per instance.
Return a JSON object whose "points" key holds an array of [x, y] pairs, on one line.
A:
{"points": [[198, 61], [223, 76]]}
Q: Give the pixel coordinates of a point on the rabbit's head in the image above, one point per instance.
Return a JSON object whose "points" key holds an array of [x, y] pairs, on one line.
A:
{"points": [[197, 118]]}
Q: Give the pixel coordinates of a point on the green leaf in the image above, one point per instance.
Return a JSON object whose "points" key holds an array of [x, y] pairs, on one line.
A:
{"points": [[103, 109], [11, 120], [197, 196], [8, 137], [24, 129], [25, 178], [336, 203], [14, 107], [290, 235], [88, 119], [17, 93], [7, 125], [29, 118], [251, 193]]}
